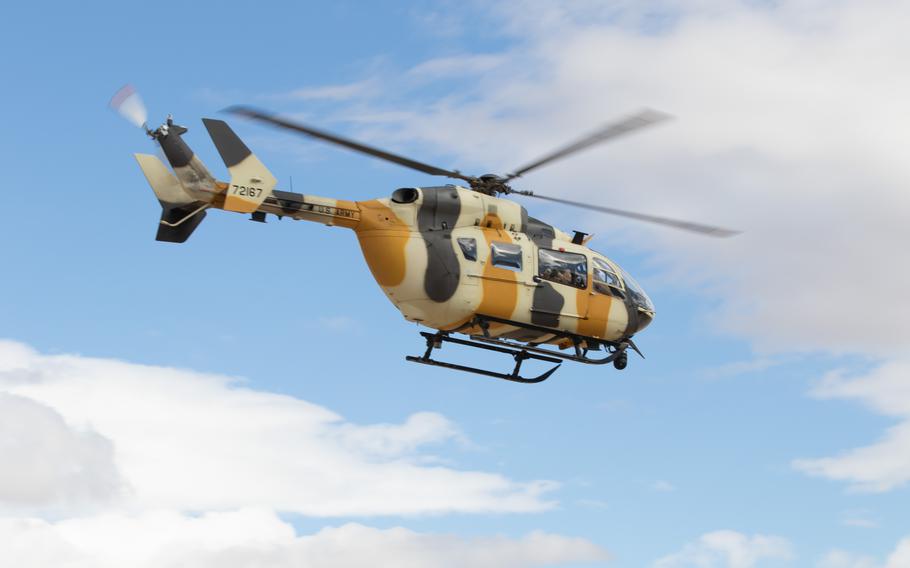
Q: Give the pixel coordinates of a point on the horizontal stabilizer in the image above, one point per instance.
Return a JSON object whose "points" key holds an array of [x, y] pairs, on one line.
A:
{"points": [[251, 181], [163, 182], [180, 212]]}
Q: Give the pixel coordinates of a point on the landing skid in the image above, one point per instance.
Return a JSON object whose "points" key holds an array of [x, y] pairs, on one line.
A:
{"points": [[519, 354], [580, 354], [615, 352]]}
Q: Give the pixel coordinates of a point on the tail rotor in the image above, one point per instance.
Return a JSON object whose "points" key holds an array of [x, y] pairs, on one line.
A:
{"points": [[127, 103]]}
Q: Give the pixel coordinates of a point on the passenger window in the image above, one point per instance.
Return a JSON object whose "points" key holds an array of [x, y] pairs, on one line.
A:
{"points": [[604, 277], [506, 255], [561, 267], [468, 247]]}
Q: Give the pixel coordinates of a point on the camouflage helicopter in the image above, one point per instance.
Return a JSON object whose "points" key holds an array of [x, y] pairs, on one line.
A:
{"points": [[457, 259]]}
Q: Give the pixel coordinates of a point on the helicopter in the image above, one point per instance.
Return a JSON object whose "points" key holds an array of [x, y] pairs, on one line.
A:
{"points": [[460, 259]]}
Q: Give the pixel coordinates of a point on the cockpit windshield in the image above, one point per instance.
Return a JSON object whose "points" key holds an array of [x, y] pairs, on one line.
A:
{"points": [[637, 293], [605, 277]]}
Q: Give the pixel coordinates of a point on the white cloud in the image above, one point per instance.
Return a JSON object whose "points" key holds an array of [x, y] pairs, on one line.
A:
{"points": [[186, 441], [338, 324], [46, 463], [728, 549], [900, 558], [252, 537], [456, 66], [131, 465], [440, 19], [844, 559], [885, 464], [859, 518], [663, 486], [860, 522], [330, 92], [737, 368]]}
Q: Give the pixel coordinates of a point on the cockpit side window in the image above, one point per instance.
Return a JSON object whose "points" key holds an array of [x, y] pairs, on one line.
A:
{"points": [[562, 267], [605, 277], [506, 255], [468, 247]]}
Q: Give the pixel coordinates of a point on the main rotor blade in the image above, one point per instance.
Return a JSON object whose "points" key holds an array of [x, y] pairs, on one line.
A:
{"points": [[642, 119], [675, 223], [351, 144]]}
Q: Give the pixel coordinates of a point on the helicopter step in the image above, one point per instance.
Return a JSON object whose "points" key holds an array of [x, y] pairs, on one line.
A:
{"points": [[520, 355]]}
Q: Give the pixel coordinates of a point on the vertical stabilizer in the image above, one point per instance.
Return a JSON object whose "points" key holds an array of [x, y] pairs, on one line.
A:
{"points": [[251, 181], [189, 169]]}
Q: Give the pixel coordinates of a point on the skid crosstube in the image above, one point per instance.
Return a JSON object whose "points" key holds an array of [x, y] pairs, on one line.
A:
{"points": [[435, 340]]}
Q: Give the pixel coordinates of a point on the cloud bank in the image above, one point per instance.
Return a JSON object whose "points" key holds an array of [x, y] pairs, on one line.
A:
{"points": [[251, 537], [109, 464], [84, 429], [885, 464], [728, 549]]}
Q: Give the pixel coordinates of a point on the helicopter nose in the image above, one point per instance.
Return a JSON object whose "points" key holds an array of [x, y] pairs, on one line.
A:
{"points": [[643, 320]]}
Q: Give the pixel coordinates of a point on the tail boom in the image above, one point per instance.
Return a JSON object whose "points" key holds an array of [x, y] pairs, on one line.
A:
{"points": [[332, 212], [187, 190]]}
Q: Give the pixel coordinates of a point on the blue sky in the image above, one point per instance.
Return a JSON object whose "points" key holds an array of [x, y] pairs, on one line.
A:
{"points": [[688, 458]]}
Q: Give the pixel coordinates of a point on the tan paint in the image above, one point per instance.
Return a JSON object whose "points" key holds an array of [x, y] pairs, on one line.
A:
{"points": [[383, 238], [328, 211], [349, 222], [581, 302], [500, 285], [218, 199], [595, 325], [165, 184], [239, 204], [458, 323], [251, 183]]}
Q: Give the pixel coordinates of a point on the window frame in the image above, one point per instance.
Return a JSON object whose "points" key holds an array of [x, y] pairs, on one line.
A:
{"points": [[503, 246], [464, 251], [620, 286], [637, 294], [585, 274]]}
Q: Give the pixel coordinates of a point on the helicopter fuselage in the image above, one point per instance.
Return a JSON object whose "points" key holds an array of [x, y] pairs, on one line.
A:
{"points": [[450, 258], [446, 256]]}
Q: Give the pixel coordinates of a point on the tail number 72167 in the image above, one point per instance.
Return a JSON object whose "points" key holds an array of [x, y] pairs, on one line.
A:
{"points": [[247, 191]]}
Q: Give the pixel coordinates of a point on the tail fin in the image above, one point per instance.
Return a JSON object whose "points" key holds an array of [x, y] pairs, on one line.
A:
{"points": [[189, 169], [181, 213], [251, 181], [178, 223]]}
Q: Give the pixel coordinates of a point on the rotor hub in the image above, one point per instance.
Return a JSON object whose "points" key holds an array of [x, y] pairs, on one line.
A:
{"points": [[490, 184]]}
